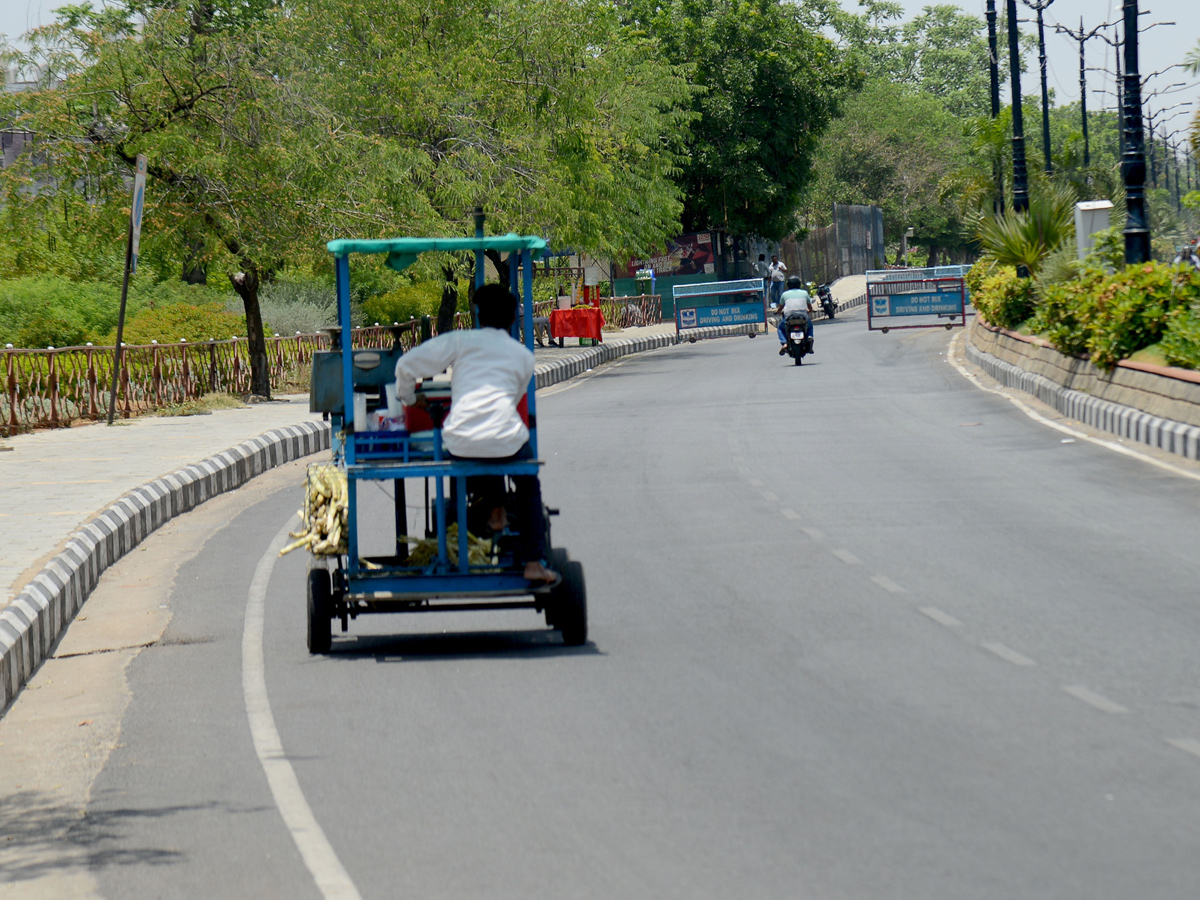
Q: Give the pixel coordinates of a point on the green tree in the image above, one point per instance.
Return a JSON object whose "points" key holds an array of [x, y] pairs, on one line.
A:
{"points": [[893, 147], [769, 86]]}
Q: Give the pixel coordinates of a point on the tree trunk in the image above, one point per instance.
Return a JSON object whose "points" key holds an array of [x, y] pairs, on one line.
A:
{"points": [[246, 284], [194, 270], [933, 256], [501, 265], [449, 305]]}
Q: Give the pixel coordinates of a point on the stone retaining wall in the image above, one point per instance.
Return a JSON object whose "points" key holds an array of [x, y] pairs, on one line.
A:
{"points": [[1152, 405]]}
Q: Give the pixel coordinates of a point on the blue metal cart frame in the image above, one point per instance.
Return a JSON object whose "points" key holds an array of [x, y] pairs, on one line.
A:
{"points": [[349, 585]]}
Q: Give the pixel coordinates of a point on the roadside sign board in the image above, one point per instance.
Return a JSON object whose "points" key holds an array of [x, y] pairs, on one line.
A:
{"points": [[900, 294], [135, 213], [715, 303]]}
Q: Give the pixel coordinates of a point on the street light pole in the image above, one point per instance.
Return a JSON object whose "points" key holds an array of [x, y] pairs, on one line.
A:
{"points": [[994, 77], [1039, 6], [1133, 159], [1020, 175]]}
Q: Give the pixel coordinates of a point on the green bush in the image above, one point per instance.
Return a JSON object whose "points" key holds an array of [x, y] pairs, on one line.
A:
{"points": [[50, 310], [1003, 298], [409, 301], [191, 322], [1110, 317]]}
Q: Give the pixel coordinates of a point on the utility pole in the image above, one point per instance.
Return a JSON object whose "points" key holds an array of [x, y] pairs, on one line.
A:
{"points": [[994, 77], [1039, 6], [1133, 159], [1020, 175], [1081, 37]]}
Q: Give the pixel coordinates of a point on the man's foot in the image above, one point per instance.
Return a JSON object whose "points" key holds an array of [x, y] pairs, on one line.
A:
{"points": [[498, 520], [535, 571], [782, 349]]}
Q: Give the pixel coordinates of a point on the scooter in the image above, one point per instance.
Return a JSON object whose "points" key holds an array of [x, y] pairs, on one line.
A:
{"points": [[799, 344], [827, 302]]}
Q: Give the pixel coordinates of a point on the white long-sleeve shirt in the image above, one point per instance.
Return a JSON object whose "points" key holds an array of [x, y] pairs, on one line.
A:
{"points": [[491, 374]]}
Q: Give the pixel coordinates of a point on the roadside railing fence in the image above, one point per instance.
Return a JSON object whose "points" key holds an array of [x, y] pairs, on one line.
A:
{"points": [[66, 386]]}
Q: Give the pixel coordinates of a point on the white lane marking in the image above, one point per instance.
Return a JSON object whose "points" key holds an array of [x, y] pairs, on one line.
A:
{"points": [[1008, 654], [790, 514], [814, 533], [847, 557], [1187, 745], [754, 482], [1097, 701], [940, 617], [1065, 429], [769, 497], [332, 879], [888, 585]]}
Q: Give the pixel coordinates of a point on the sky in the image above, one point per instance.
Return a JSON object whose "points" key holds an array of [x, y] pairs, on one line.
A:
{"points": [[1160, 47]]}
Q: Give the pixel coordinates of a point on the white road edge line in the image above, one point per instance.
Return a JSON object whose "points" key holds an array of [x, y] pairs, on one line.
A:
{"points": [[1008, 654], [815, 533], [1065, 429], [940, 617], [790, 514], [1187, 745], [768, 496], [1097, 701], [333, 881], [847, 557]]}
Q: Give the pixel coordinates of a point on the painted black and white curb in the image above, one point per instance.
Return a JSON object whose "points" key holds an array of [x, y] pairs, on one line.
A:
{"points": [[1124, 421], [31, 625]]}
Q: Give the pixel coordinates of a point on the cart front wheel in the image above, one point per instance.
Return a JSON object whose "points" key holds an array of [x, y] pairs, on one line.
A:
{"points": [[570, 605], [320, 611]]}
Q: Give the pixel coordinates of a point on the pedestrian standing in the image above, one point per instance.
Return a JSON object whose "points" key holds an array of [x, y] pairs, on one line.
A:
{"points": [[777, 272]]}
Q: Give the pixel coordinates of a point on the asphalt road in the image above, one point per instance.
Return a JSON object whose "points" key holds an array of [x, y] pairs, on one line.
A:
{"points": [[858, 630]]}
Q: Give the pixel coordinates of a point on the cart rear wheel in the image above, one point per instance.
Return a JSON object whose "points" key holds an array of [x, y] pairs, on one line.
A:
{"points": [[570, 602], [320, 611], [557, 560]]}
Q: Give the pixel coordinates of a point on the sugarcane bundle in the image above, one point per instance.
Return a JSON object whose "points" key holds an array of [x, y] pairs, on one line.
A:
{"points": [[325, 513], [423, 551]]}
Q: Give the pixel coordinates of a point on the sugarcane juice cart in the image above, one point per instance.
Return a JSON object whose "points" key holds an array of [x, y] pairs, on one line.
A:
{"points": [[448, 568]]}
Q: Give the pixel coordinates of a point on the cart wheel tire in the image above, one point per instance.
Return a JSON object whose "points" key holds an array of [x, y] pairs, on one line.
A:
{"points": [[884, 330], [320, 611], [570, 617], [557, 560], [753, 335]]}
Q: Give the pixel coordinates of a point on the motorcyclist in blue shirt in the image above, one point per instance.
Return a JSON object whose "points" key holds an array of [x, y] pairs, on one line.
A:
{"points": [[795, 300]]}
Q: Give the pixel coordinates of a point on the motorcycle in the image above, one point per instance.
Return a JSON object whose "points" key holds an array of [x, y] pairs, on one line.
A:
{"points": [[827, 302], [795, 329]]}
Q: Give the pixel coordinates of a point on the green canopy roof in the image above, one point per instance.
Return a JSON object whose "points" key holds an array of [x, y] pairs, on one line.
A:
{"points": [[403, 252]]}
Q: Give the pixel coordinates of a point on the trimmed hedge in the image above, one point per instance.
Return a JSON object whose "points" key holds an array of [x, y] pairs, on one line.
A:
{"points": [[1104, 316]]}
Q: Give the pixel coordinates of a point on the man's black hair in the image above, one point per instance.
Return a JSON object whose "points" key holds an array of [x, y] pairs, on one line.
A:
{"points": [[497, 306]]}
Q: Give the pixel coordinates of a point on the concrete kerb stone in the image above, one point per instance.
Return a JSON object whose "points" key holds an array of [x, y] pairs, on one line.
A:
{"points": [[31, 625], [27, 637], [1132, 424]]}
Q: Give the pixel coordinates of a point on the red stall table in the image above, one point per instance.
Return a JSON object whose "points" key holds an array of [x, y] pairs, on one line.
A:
{"points": [[582, 322]]}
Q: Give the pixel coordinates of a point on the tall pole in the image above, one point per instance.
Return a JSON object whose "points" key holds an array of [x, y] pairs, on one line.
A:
{"points": [[1133, 158], [1087, 153], [1020, 175], [1039, 7], [994, 77]]}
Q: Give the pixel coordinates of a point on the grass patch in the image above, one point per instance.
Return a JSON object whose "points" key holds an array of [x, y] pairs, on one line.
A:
{"points": [[1152, 355], [202, 406]]}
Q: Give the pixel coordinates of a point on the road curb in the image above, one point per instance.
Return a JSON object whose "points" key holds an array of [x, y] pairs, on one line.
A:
{"points": [[31, 625], [1127, 422]]}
